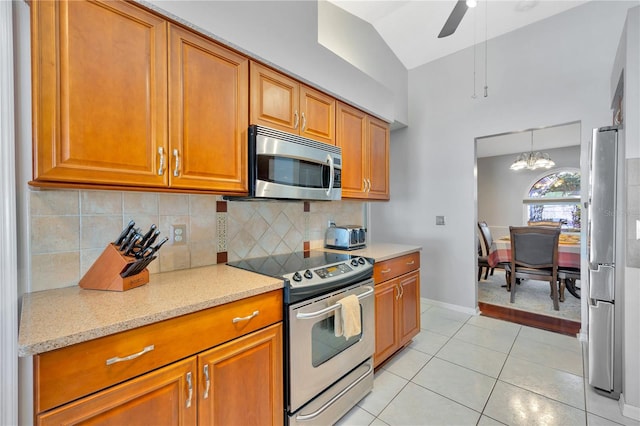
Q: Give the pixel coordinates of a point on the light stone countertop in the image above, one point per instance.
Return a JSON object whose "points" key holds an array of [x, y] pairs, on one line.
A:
{"points": [[380, 251], [54, 319]]}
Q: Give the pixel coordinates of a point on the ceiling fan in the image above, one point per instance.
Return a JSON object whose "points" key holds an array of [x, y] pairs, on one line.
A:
{"points": [[456, 16]]}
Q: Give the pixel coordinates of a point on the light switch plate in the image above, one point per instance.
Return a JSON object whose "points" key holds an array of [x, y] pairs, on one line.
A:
{"points": [[439, 220]]}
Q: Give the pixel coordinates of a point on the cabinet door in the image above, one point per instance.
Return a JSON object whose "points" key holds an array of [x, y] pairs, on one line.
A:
{"points": [[208, 98], [274, 99], [378, 159], [164, 396], [99, 88], [243, 384], [317, 117], [351, 128], [386, 296], [409, 312]]}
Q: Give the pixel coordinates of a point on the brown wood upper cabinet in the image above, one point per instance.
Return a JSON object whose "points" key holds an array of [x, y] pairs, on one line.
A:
{"points": [[283, 103], [365, 154], [123, 98]]}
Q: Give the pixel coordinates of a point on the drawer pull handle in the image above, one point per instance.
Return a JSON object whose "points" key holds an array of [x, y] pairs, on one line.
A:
{"points": [[247, 318], [190, 388], [411, 263], [207, 382], [130, 357], [386, 271]]}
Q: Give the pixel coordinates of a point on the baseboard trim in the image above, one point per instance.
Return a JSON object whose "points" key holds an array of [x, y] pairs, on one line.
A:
{"points": [[457, 308], [628, 410]]}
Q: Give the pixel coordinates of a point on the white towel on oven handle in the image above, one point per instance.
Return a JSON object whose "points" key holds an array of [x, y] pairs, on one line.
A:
{"points": [[347, 318]]}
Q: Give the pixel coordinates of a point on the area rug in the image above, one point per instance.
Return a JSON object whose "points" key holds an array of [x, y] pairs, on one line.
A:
{"points": [[531, 296]]}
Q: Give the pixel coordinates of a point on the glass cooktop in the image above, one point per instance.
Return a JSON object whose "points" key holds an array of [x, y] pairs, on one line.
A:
{"points": [[280, 265]]}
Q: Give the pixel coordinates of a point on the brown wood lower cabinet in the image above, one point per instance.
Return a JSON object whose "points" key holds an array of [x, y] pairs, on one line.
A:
{"points": [[221, 365], [156, 398], [236, 383], [397, 305], [245, 378]]}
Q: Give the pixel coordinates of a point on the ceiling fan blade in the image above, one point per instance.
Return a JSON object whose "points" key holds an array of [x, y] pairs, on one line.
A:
{"points": [[454, 19]]}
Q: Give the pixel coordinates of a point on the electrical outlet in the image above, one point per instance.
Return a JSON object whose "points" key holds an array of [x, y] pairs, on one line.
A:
{"points": [[178, 234]]}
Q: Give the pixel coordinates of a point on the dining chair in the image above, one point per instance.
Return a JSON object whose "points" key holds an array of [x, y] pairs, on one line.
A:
{"points": [[483, 262], [534, 256], [487, 240]]}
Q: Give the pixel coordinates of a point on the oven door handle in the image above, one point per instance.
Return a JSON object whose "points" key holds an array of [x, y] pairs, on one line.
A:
{"points": [[310, 416], [310, 315]]}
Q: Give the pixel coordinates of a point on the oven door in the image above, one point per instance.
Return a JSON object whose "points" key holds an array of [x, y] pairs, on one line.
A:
{"points": [[317, 358]]}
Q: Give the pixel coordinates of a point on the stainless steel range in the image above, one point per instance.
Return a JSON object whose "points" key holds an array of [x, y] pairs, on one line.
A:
{"points": [[325, 374]]}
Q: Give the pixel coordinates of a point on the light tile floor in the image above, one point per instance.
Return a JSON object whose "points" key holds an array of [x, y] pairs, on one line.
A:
{"points": [[473, 370]]}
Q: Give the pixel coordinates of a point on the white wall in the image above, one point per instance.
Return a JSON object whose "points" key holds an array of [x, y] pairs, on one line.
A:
{"points": [[285, 35], [550, 72], [501, 190]]}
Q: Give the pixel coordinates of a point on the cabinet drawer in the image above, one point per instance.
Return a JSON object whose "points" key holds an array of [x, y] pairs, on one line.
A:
{"points": [[395, 267], [69, 373]]}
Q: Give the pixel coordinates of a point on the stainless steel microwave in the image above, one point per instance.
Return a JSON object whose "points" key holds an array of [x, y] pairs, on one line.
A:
{"points": [[287, 166]]}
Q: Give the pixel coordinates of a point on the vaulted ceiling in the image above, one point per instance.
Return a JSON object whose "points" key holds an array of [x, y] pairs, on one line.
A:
{"points": [[410, 27]]}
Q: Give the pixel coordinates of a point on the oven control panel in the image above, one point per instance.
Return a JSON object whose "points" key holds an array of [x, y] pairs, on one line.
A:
{"points": [[329, 273], [332, 271]]}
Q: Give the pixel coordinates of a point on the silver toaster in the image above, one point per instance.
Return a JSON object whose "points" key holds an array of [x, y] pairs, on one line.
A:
{"points": [[346, 237]]}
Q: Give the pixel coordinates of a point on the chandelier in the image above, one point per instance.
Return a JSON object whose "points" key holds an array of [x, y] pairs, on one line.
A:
{"points": [[532, 160]]}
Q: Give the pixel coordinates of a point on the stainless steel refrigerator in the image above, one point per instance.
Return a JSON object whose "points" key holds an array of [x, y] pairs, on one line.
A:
{"points": [[605, 307]]}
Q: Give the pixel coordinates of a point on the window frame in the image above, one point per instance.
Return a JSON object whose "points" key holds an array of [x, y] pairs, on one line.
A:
{"points": [[527, 201]]}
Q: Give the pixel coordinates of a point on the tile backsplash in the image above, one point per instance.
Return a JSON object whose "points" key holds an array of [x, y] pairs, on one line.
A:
{"points": [[69, 229]]}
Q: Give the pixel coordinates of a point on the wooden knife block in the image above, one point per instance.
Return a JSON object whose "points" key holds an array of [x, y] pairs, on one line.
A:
{"points": [[104, 274]]}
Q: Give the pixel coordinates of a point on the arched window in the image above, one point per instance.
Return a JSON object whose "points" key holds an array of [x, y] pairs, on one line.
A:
{"points": [[556, 197]]}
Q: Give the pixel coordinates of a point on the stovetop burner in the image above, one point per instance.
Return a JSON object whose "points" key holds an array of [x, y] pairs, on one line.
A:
{"points": [[310, 273]]}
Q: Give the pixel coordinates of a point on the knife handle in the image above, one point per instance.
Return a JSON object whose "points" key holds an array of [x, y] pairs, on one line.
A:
{"points": [[146, 236], [147, 244], [124, 233], [132, 244]]}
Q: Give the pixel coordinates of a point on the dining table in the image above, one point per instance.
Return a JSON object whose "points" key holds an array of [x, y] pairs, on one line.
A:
{"points": [[568, 258], [568, 251]]}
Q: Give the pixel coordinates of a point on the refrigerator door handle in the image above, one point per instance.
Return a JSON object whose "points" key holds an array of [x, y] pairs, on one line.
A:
{"points": [[601, 345], [602, 282]]}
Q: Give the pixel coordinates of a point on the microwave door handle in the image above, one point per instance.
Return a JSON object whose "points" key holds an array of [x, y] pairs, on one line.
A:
{"points": [[331, 169]]}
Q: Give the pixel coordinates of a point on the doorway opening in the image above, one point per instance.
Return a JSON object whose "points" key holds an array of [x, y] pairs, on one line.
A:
{"points": [[501, 203]]}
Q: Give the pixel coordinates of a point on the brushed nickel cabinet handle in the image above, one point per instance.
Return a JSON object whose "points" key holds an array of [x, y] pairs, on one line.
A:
{"points": [[247, 318], [411, 263], [304, 122], [385, 271], [161, 168], [190, 388], [206, 381], [296, 119], [176, 171], [130, 357], [398, 292]]}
